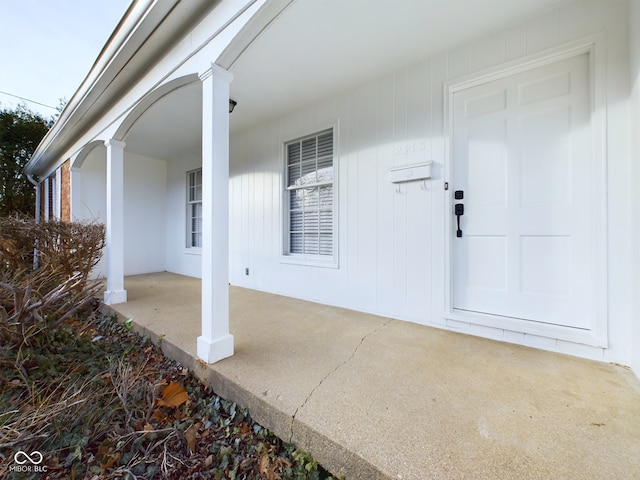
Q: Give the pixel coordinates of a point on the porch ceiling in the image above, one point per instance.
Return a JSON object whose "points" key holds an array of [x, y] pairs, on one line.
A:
{"points": [[171, 128], [316, 48]]}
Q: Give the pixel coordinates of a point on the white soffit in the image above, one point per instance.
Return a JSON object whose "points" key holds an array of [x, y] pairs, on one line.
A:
{"points": [[170, 129], [318, 47]]}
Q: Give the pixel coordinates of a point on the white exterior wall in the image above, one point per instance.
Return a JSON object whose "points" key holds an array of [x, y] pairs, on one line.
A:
{"points": [[145, 187], [208, 38], [179, 258], [391, 245], [144, 197], [93, 196], [93, 190], [635, 176]]}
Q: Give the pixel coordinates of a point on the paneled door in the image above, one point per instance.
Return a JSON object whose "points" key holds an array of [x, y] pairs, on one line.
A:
{"points": [[523, 167]]}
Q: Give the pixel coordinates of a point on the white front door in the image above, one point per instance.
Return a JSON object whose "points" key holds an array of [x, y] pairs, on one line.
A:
{"points": [[523, 160]]}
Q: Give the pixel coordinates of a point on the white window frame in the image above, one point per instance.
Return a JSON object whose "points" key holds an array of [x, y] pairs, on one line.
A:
{"points": [[57, 194], [190, 202], [52, 197], [311, 259]]}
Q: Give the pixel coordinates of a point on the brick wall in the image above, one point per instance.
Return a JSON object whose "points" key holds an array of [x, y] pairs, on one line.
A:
{"points": [[51, 192], [65, 192]]}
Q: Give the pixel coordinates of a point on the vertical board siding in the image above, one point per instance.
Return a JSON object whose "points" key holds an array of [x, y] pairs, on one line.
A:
{"points": [[391, 239], [488, 52], [347, 163], [365, 167], [634, 21], [619, 186], [542, 32], [384, 236], [386, 222]]}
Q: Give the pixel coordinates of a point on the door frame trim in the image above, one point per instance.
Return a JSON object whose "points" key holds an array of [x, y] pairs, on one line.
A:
{"points": [[597, 334]]}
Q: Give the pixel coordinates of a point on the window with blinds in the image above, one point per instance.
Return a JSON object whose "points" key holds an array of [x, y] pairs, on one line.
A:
{"points": [[310, 195], [194, 209], [51, 200]]}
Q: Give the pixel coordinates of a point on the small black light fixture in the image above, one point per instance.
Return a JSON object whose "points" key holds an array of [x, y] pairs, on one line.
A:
{"points": [[232, 105]]}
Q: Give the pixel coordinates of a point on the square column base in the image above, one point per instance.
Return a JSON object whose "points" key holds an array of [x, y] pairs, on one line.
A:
{"points": [[111, 297], [213, 351]]}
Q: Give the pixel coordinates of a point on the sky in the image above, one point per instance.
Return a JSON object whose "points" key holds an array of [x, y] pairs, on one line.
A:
{"points": [[47, 48]]}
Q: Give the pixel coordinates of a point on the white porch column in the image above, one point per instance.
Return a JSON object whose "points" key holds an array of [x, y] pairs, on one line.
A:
{"points": [[57, 195], [115, 292], [215, 343], [47, 199], [38, 187]]}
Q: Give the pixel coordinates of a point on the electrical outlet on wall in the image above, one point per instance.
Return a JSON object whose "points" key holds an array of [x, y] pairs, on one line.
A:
{"points": [[246, 270]]}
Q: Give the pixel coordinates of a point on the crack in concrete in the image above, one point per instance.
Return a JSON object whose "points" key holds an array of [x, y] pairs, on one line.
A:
{"points": [[353, 354]]}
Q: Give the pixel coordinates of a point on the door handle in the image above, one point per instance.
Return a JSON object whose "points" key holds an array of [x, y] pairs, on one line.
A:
{"points": [[459, 211]]}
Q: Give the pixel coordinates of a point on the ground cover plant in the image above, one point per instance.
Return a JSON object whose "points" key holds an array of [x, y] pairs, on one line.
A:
{"points": [[96, 400]]}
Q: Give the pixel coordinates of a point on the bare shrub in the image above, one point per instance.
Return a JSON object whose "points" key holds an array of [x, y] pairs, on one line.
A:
{"points": [[73, 247], [44, 274]]}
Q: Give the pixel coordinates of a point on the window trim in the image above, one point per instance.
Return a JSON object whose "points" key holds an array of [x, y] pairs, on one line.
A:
{"points": [[188, 213], [327, 261]]}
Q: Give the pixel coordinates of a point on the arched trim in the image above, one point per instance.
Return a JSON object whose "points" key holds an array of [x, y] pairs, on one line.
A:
{"points": [[149, 99], [253, 29], [84, 153]]}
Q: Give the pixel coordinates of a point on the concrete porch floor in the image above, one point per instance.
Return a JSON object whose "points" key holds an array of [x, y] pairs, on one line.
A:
{"points": [[375, 398]]}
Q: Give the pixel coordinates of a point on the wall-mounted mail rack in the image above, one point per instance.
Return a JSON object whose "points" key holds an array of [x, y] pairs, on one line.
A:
{"points": [[410, 173]]}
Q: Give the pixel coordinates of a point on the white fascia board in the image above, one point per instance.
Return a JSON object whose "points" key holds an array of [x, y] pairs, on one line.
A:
{"points": [[205, 41], [123, 49]]}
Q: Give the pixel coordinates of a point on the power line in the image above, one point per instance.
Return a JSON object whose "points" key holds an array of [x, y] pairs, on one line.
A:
{"points": [[27, 100]]}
